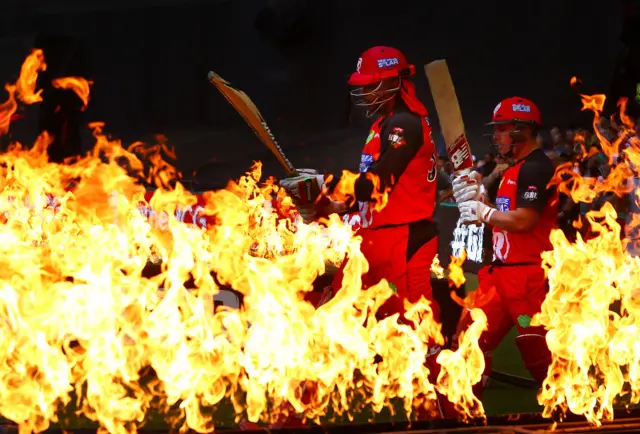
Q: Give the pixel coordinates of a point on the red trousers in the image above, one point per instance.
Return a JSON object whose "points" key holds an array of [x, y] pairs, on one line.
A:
{"points": [[512, 295], [395, 254], [403, 255]]}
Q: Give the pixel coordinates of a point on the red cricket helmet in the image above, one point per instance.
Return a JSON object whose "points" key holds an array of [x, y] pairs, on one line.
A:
{"points": [[516, 110], [378, 63]]}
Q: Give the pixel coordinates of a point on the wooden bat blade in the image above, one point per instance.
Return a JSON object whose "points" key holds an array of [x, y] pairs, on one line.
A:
{"points": [[247, 109], [449, 115]]}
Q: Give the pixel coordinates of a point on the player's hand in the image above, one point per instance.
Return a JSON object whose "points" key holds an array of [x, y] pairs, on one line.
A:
{"points": [[467, 186], [304, 188], [296, 185], [474, 211]]}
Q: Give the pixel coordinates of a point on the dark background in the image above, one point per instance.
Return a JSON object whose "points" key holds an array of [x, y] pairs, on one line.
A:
{"points": [[149, 61]]}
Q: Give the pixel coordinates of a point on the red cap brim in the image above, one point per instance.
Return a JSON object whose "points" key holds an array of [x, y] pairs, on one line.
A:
{"points": [[358, 79]]}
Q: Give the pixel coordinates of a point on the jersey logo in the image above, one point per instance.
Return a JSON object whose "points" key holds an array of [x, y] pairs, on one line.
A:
{"points": [[366, 160], [383, 63], [503, 203], [396, 138], [531, 193]]}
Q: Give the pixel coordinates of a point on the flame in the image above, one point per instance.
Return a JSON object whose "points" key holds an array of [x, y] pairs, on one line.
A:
{"points": [[456, 273], [436, 268], [591, 311], [77, 84], [345, 189], [80, 320], [26, 84], [24, 88], [462, 369]]}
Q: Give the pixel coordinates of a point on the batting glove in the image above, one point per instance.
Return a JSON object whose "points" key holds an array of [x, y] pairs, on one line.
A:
{"points": [[295, 185], [474, 211], [467, 186]]}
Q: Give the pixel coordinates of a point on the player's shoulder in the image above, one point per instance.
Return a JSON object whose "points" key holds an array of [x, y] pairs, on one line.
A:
{"points": [[404, 119], [537, 161]]}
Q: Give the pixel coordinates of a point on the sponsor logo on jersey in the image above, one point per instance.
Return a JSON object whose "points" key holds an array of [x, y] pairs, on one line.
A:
{"points": [[366, 160], [523, 108], [396, 138], [383, 63], [503, 203], [531, 193]]}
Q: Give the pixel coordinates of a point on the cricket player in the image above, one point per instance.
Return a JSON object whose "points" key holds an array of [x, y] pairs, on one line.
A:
{"points": [[399, 241], [524, 213]]}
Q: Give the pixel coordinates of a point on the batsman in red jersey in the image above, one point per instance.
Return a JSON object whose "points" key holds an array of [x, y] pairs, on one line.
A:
{"points": [[400, 241], [514, 286]]}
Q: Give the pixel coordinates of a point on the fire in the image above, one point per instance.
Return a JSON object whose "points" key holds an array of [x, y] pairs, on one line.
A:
{"points": [[81, 321], [26, 84], [592, 311], [462, 368], [345, 189], [456, 272], [77, 84], [24, 88], [436, 268]]}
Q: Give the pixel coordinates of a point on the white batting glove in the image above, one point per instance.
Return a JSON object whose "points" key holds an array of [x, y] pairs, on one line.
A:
{"points": [[467, 185], [474, 211], [293, 184]]}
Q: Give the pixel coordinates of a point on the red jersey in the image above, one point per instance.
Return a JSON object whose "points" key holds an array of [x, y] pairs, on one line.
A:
{"points": [[400, 152], [524, 185]]}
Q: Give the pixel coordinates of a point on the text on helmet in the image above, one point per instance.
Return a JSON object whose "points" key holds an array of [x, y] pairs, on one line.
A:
{"points": [[521, 108], [384, 63]]}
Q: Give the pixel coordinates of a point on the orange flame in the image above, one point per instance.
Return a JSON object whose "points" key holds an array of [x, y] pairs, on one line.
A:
{"points": [[456, 272], [77, 84], [436, 268], [345, 189], [24, 88], [80, 317], [594, 343]]}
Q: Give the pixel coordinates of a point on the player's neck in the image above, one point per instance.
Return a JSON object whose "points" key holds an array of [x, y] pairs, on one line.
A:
{"points": [[526, 148], [388, 108]]}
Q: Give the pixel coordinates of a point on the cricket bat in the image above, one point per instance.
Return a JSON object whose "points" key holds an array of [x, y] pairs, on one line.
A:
{"points": [[451, 124], [248, 110]]}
